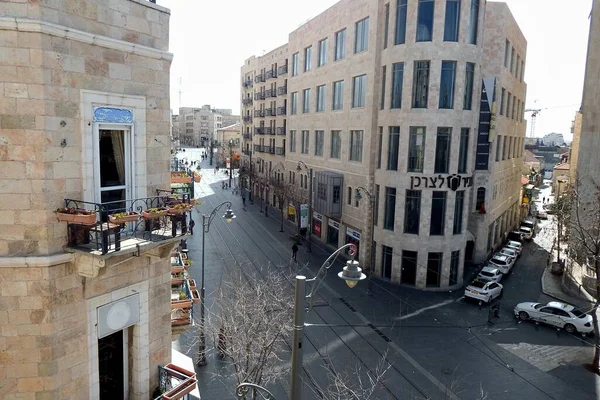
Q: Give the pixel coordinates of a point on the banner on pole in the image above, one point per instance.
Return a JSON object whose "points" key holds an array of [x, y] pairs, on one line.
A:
{"points": [[303, 215]]}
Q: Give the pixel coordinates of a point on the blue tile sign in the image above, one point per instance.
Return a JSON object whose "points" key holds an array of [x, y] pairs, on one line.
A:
{"points": [[113, 115]]}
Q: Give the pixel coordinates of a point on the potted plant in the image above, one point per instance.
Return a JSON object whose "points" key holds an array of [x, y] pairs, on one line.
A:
{"points": [[175, 304], [178, 209], [187, 264], [123, 217], [76, 216], [177, 278], [195, 296], [153, 213], [192, 283]]}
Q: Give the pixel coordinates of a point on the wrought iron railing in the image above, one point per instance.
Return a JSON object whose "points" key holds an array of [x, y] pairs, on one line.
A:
{"points": [[282, 90], [283, 69], [281, 130]]}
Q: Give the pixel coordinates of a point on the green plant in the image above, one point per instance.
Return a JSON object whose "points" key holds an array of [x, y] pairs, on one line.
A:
{"points": [[74, 211], [122, 214], [155, 210], [182, 296]]}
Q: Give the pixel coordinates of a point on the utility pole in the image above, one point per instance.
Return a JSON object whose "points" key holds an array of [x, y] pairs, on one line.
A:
{"points": [[230, 143]]}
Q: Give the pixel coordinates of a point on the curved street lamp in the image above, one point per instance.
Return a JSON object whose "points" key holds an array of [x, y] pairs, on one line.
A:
{"points": [[372, 199], [301, 164], [243, 388], [206, 221]]}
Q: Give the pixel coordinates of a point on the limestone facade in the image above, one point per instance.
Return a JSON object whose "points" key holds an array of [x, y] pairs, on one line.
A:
{"points": [[59, 61]]}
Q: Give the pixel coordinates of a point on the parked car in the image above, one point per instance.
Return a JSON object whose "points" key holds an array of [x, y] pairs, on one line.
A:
{"points": [[517, 246], [490, 274], [502, 262], [515, 236], [526, 232], [507, 251], [483, 290], [529, 223], [561, 315]]}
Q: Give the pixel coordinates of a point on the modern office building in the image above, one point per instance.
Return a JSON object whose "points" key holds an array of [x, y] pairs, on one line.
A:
{"points": [[417, 105]]}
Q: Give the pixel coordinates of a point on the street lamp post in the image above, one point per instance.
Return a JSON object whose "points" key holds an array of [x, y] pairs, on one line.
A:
{"points": [[371, 268], [230, 143], [206, 221], [310, 201]]}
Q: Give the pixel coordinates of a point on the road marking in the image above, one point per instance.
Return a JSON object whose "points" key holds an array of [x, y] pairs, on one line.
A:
{"points": [[422, 310]]}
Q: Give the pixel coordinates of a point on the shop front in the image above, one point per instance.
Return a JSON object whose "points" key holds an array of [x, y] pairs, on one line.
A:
{"points": [[333, 233], [291, 213], [353, 236], [316, 224]]}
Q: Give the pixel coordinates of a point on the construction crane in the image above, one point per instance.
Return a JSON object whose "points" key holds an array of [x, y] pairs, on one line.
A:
{"points": [[534, 113]]}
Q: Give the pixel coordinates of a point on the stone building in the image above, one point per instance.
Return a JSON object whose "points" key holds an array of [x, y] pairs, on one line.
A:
{"points": [[84, 115], [574, 149], [229, 141], [384, 98], [198, 126]]}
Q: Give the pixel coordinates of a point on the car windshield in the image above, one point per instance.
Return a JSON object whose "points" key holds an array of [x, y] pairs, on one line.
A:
{"points": [[478, 284], [538, 306], [498, 262], [525, 229], [578, 313], [514, 244], [486, 273]]}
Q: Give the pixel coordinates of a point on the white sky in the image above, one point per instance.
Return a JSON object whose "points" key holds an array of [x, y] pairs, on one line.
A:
{"points": [[211, 40]]}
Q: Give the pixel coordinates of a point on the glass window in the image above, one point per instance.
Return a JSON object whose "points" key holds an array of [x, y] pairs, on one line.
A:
{"points": [[454, 260], [420, 84], [434, 269], [425, 21], [463, 152], [397, 80], [338, 95], [409, 267], [389, 214], [508, 99], [386, 26], [359, 91], [336, 144], [502, 98], [379, 146], [412, 211], [416, 149], [442, 151], [473, 21], [350, 196], [294, 100], [321, 98], [522, 69], [361, 42], [514, 114], [451, 24], [307, 58], [480, 198], [306, 100], [376, 217], [319, 140], [512, 59], [295, 64], [438, 213], [356, 145], [459, 205], [305, 143], [400, 37], [386, 261], [498, 147], [517, 66], [340, 44], [383, 79], [506, 53], [322, 52], [292, 141], [469, 78], [393, 148], [447, 84]]}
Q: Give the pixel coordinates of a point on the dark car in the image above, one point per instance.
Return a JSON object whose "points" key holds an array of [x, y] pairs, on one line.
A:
{"points": [[516, 236]]}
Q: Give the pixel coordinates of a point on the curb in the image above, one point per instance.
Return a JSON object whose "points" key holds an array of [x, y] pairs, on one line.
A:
{"points": [[566, 298]]}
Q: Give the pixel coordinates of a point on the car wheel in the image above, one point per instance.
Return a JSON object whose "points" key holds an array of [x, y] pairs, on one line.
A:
{"points": [[570, 328], [523, 316]]}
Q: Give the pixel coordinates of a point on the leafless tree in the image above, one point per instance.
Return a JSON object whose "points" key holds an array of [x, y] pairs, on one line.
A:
{"points": [[561, 209], [279, 189], [296, 195]]}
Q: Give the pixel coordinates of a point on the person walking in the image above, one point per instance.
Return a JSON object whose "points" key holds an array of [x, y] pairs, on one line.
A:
{"points": [[244, 199], [192, 224], [294, 251]]}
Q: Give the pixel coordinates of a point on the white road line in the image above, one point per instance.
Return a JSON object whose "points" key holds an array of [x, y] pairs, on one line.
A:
{"points": [[422, 310]]}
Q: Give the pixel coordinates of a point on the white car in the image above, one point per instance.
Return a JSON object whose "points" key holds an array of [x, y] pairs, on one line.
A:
{"points": [[502, 262], [557, 314], [490, 274], [483, 290], [507, 251], [526, 232], [518, 247]]}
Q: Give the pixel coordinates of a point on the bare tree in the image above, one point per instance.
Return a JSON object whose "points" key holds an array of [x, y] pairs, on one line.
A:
{"points": [[297, 195], [279, 189], [561, 209]]}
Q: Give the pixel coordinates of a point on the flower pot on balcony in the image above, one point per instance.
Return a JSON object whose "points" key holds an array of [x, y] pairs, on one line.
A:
{"points": [[177, 270], [76, 216], [121, 218], [181, 390], [175, 304], [179, 209], [153, 213], [176, 281], [192, 283], [195, 296]]}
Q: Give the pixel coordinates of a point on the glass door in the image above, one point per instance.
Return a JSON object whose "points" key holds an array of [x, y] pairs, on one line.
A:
{"points": [[113, 177]]}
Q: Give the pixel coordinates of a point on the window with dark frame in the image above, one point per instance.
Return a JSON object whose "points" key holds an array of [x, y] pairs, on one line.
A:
{"points": [[454, 264], [306, 101], [412, 212], [463, 152], [322, 53], [434, 269], [480, 200], [386, 261], [338, 95], [397, 83], [420, 84], [393, 148], [438, 213], [386, 26], [295, 64], [307, 58], [336, 144], [447, 79], [416, 149], [321, 98], [442, 150], [356, 145], [400, 34], [473, 22], [469, 80], [425, 20], [459, 206], [340, 45], [292, 141], [383, 80], [319, 141], [361, 40], [452, 21], [379, 146], [359, 91], [389, 214]]}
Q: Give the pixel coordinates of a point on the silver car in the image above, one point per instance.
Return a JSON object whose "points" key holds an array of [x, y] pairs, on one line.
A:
{"points": [[507, 251], [555, 313], [490, 274], [518, 247]]}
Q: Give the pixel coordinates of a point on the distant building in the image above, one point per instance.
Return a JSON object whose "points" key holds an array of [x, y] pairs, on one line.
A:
{"points": [[548, 155], [554, 139], [531, 161], [560, 178], [197, 126], [574, 152], [229, 141]]}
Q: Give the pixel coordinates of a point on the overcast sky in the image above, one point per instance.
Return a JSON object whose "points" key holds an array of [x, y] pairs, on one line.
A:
{"points": [[211, 40]]}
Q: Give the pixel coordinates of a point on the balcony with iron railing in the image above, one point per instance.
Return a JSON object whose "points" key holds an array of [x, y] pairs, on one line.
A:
{"points": [[246, 152], [283, 69], [273, 93], [247, 118], [267, 93], [247, 101], [281, 130], [270, 74], [258, 148], [268, 130], [280, 151], [248, 84], [270, 112], [259, 113], [259, 78], [281, 90], [271, 150], [259, 130], [259, 96], [281, 110], [247, 136]]}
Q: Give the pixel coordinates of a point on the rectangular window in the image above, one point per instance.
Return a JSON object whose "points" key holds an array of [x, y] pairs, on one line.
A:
{"points": [[459, 206], [295, 64], [504, 147], [447, 84], [338, 95], [400, 37], [336, 144], [522, 69], [292, 141], [469, 79], [517, 66], [393, 148], [451, 24], [340, 45], [438, 213], [386, 261], [350, 196], [356, 145], [294, 100], [376, 217], [412, 212], [359, 91], [379, 147], [320, 98], [305, 138], [307, 58], [514, 103], [383, 79], [502, 101], [508, 98], [420, 84], [512, 59], [319, 140], [389, 214], [506, 53], [425, 21], [361, 40], [322, 52], [454, 260], [386, 26], [306, 100], [434, 269], [397, 80], [498, 147], [416, 149], [473, 21], [442, 151], [463, 152]]}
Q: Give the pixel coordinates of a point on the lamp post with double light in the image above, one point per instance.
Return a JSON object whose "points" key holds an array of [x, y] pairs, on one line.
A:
{"points": [[206, 221], [301, 165], [372, 200]]}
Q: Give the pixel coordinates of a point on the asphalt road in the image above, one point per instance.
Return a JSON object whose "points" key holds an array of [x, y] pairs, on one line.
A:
{"points": [[437, 345]]}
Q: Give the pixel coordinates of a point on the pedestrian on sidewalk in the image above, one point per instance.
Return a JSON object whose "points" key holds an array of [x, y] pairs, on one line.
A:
{"points": [[244, 199], [294, 251], [192, 224]]}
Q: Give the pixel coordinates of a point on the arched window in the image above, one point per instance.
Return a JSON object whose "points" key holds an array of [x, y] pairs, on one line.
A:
{"points": [[480, 198]]}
